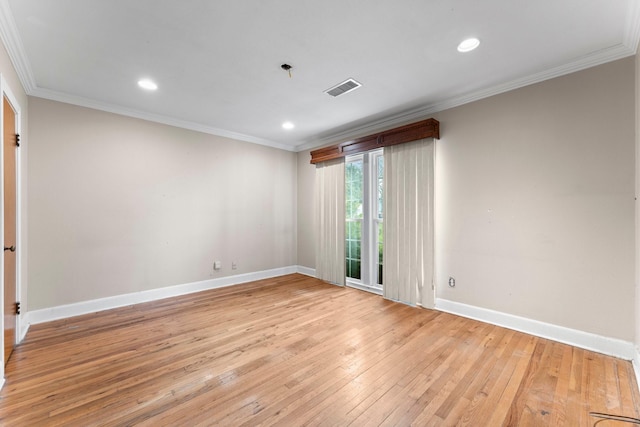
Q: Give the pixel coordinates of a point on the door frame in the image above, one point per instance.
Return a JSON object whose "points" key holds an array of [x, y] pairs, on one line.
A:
{"points": [[5, 91]]}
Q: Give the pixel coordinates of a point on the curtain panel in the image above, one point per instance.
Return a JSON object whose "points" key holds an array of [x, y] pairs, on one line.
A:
{"points": [[330, 221], [408, 223]]}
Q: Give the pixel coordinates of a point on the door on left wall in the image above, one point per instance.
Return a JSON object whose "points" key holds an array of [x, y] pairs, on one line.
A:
{"points": [[10, 145]]}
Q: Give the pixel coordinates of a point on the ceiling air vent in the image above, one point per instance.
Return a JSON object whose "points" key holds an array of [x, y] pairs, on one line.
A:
{"points": [[344, 87]]}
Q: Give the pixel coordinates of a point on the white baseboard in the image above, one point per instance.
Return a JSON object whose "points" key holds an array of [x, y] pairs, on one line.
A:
{"points": [[586, 340], [92, 306], [611, 346], [306, 271]]}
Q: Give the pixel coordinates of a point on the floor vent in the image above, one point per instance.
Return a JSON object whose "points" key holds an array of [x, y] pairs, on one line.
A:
{"points": [[344, 87]]}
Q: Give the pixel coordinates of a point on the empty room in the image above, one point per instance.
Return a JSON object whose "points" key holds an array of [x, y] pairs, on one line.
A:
{"points": [[320, 213]]}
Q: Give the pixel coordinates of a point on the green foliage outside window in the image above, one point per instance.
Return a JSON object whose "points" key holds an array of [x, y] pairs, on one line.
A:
{"points": [[354, 214]]}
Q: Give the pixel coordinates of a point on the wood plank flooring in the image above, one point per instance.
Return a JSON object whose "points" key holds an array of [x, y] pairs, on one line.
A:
{"points": [[295, 351]]}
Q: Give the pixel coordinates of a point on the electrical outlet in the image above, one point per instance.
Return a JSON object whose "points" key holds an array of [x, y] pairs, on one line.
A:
{"points": [[234, 265], [217, 265], [452, 282]]}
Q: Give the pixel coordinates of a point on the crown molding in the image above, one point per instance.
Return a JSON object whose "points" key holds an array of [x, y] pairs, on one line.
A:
{"points": [[157, 118], [13, 43], [597, 58], [632, 27]]}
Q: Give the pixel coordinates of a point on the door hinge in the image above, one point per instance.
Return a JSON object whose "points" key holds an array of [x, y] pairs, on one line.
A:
{"points": [[18, 307], [17, 140]]}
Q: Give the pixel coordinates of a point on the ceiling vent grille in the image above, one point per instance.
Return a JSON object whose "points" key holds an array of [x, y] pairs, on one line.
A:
{"points": [[344, 87]]}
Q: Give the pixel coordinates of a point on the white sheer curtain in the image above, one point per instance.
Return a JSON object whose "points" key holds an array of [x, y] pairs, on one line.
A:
{"points": [[408, 222], [330, 221]]}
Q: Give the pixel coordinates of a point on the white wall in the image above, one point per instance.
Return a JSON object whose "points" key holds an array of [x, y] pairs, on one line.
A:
{"points": [[535, 202], [119, 205]]}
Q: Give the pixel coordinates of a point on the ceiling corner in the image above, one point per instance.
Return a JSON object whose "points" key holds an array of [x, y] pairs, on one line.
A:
{"points": [[632, 29], [13, 43]]}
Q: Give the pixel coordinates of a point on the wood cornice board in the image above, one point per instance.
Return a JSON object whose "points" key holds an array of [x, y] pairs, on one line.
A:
{"points": [[429, 128]]}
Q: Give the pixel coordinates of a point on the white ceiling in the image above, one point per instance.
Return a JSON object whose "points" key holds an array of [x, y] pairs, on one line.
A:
{"points": [[217, 63]]}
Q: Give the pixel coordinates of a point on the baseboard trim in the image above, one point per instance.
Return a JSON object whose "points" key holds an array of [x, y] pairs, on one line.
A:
{"points": [[610, 346], [306, 271], [586, 340], [92, 306]]}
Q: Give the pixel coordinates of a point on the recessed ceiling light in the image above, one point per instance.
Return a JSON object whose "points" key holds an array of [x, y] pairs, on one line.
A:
{"points": [[288, 125], [468, 45], [147, 84]]}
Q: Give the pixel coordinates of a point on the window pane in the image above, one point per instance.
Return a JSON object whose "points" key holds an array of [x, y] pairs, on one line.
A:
{"points": [[354, 214], [356, 270], [353, 268], [353, 248], [353, 190]]}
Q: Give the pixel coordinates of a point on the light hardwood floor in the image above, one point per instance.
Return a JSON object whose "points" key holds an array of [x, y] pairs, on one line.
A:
{"points": [[296, 351]]}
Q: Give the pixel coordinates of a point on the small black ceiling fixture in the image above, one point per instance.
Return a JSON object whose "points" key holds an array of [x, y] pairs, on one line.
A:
{"points": [[287, 68]]}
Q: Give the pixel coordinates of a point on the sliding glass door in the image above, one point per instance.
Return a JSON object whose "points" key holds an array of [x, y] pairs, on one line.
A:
{"points": [[364, 220]]}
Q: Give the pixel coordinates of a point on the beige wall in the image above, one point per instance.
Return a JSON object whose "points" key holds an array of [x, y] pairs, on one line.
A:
{"points": [[535, 202], [120, 205], [306, 229]]}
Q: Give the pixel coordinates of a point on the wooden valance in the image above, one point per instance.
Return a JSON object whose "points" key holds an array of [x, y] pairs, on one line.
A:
{"points": [[429, 128]]}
